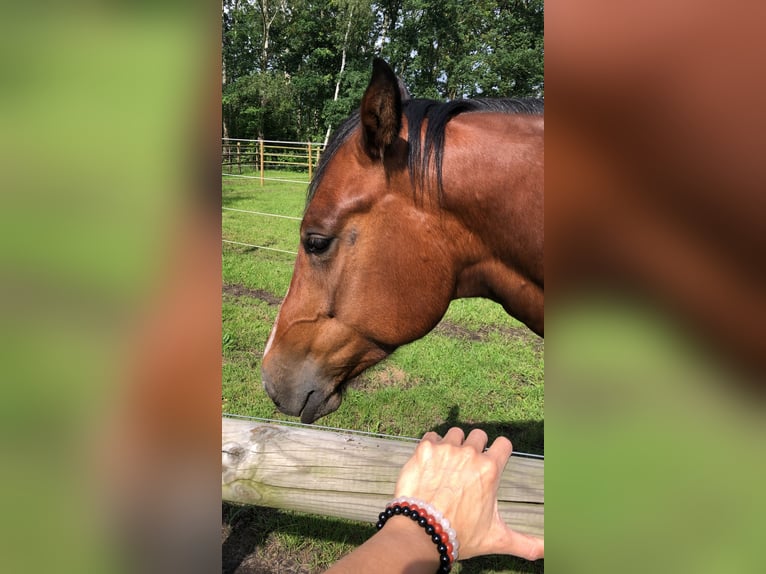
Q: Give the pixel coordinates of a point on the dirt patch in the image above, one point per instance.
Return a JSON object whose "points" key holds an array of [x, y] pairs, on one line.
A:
{"points": [[260, 294], [257, 540], [267, 560], [248, 547], [389, 376], [455, 331]]}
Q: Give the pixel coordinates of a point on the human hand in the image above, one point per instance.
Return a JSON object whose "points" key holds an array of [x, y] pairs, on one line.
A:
{"points": [[458, 478]]}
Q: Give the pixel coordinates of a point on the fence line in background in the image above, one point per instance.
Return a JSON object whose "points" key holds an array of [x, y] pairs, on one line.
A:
{"points": [[260, 155], [315, 144], [259, 247], [261, 213], [264, 178]]}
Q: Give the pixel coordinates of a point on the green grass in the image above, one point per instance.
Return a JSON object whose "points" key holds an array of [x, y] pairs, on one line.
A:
{"points": [[479, 367]]}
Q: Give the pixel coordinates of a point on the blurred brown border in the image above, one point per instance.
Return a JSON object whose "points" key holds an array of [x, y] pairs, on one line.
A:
{"points": [[655, 172]]}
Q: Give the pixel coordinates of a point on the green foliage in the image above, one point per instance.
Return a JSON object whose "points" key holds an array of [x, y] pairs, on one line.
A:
{"points": [[282, 60], [452, 49]]}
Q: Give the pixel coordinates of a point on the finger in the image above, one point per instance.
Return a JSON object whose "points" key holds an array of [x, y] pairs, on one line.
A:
{"points": [[477, 439], [431, 436], [455, 436], [500, 451]]}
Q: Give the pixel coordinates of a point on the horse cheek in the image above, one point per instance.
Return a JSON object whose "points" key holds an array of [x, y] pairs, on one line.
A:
{"points": [[417, 293]]}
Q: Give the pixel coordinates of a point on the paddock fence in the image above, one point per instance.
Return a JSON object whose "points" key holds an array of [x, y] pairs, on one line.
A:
{"points": [[346, 474], [264, 159], [273, 163]]}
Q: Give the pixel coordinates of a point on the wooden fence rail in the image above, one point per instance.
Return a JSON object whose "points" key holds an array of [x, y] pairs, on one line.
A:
{"points": [[344, 475], [256, 156]]}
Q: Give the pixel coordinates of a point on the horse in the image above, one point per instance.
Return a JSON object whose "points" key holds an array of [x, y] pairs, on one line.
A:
{"points": [[414, 203]]}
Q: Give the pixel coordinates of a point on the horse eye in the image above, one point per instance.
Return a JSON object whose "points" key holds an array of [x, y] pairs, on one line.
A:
{"points": [[316, 244]]}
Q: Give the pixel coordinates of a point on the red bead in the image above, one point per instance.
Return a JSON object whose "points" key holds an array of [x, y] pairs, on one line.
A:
{"points": [[450, 548]]}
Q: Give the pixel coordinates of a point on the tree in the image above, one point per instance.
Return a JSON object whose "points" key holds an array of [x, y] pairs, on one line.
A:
{"points": [[293, 69], [451, 49]]}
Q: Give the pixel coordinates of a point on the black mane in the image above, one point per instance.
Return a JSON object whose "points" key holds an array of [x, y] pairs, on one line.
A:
{"points": [[420, 153]]}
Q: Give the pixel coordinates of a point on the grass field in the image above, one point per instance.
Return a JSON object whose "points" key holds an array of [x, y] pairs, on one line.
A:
{"points": [[479, 367]]}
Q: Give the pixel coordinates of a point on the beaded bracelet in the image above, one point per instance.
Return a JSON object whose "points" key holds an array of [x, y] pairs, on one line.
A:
{"points": [[434, 523]]}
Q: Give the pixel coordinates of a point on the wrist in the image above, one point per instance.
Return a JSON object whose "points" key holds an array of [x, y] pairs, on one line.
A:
{"points": [[400, 547], [433, 524], [428, 517], [411, 540]]}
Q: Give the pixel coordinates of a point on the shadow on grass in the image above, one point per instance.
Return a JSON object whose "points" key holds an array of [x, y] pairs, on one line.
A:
{"points": [[526, 436], [249, 550]]}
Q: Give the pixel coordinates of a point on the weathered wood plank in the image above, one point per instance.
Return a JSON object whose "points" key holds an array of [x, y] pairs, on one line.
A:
{"points": [[344, 475]]}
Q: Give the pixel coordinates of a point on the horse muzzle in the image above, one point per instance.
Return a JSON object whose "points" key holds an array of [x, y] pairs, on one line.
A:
{"points": [[305, 393]]}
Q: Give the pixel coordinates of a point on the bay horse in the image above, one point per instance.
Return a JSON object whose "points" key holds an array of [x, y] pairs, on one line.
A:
{"points": [[414, 203]]}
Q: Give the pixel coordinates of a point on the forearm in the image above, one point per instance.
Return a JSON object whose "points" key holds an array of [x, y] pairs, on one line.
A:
{"points": [[401, 547]]}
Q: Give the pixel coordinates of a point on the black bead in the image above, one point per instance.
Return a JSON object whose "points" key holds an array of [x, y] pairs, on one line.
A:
{"points": [[422, 520]]}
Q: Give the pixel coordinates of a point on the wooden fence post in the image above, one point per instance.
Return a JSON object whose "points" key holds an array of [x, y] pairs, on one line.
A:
{"points": [[310, 162], [346, 475], [239, 164], [260, 142]]}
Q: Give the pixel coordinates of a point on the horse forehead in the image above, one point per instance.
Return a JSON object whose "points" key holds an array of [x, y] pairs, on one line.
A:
{"points": [[348, 186]]}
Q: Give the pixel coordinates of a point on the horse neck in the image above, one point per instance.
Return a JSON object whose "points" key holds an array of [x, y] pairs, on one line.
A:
{"points": [[494, 188]]}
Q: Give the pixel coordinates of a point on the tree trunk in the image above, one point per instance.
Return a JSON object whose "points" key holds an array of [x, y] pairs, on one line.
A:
{"points": [[342, 65]]}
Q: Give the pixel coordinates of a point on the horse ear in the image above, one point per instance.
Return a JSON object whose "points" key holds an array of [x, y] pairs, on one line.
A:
{"points": [[381, 112]]}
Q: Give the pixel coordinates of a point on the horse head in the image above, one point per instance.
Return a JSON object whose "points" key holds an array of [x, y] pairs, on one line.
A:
{"points": [[368, 277], [397, 224]]}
